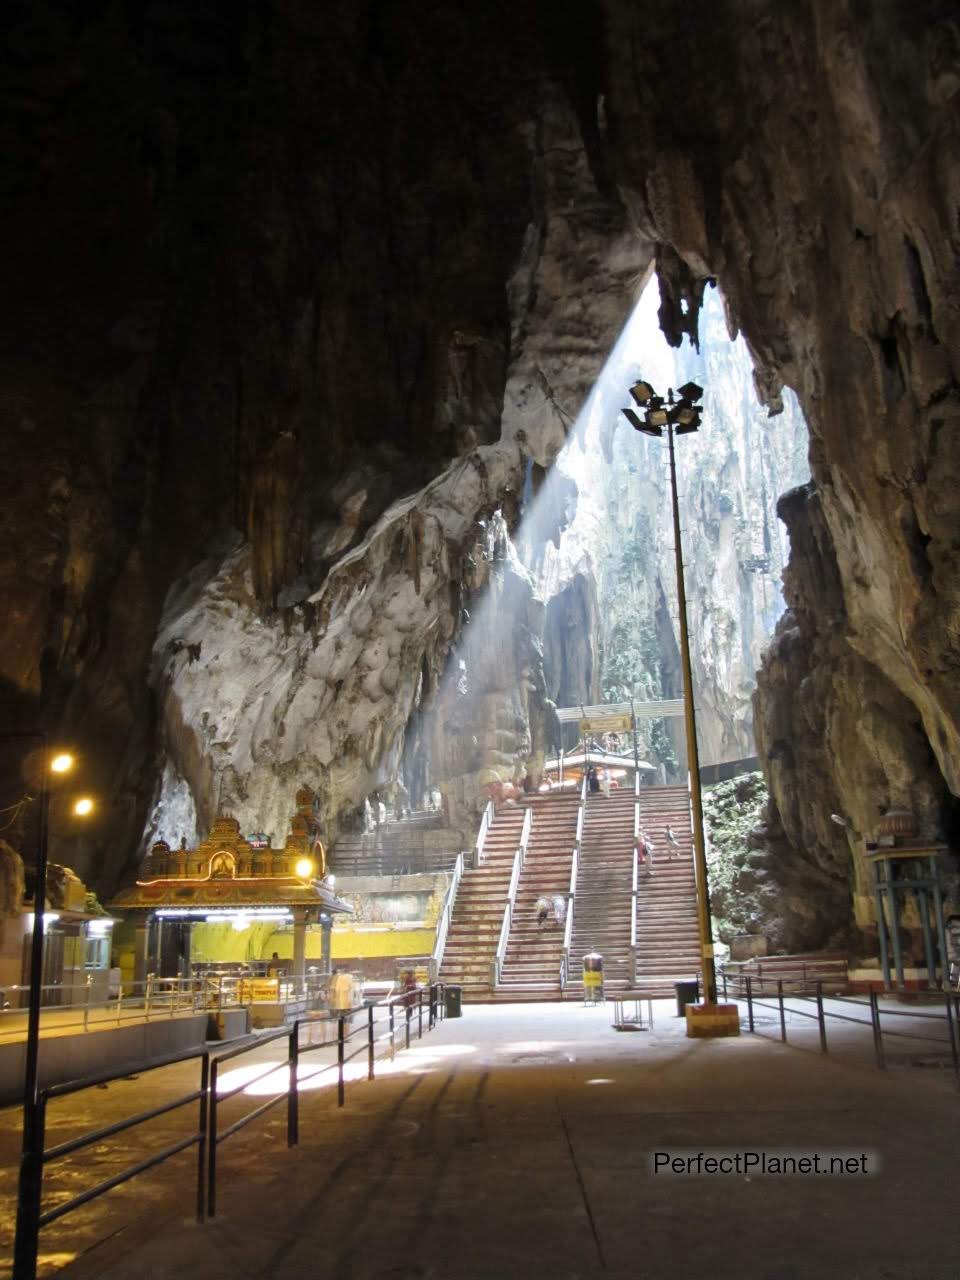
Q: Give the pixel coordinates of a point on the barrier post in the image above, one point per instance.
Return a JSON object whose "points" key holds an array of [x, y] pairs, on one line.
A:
{"points": [[26, 1244], [393, 1044], [293, 1091], [369, 1041], [409, 1013], [821, 1021], [877, 1031], [212, 1145], [750, 1002], [783, 1018], [203, 1132], [420, 1013], [340, 1061], [86, 1003], [951, 1027], [723, 974]]}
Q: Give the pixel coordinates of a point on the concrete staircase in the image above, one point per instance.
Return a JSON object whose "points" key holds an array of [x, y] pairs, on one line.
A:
{"points": [[601, 916], [478, 910], [667, 937], [531, 968]]}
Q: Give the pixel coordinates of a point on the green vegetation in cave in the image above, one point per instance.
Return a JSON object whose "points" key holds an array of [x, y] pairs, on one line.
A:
{"points": [[735, 816]]}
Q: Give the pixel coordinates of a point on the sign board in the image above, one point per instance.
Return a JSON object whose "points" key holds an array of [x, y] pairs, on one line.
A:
{"points": [[606, 724], [255, 990]]}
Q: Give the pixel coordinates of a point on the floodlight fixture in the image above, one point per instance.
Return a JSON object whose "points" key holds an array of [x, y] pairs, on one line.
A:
{"points": [[638, 424], [641, 393], [684, 414], [657, 417], [690, 391]]}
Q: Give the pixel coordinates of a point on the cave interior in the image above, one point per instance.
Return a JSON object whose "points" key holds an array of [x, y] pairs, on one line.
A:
{"points": [[301, 305]]}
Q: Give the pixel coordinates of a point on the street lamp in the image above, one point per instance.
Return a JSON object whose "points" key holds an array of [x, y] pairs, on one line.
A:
{"points": [[58, 764], [681, 416]]}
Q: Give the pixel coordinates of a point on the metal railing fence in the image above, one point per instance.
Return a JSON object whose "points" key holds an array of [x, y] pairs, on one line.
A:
{"points": [[486, 821], [208, 1135], [572, 891], [150, 1000], [443, 924], [395, 862], [942, 1027]]}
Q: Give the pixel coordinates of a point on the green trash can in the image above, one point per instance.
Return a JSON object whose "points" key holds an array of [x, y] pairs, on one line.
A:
{"points": [[452, 1001], [687, 993]]}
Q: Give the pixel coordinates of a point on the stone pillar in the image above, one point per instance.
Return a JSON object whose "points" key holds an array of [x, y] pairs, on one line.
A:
{"points": [[326, 926], [141, 947], [299, 945]]}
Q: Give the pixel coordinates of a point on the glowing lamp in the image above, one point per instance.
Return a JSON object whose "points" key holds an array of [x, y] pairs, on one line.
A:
{"points": [[304, 868], [83, 807], [62, 762]]}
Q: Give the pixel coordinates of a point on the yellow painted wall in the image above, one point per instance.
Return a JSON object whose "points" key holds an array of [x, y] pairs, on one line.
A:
{"points": [[348, 944], [222, 944]]}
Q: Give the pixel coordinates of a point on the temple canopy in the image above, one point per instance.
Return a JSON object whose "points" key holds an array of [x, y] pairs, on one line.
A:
{"points": [[618, 717], [228, 873]]}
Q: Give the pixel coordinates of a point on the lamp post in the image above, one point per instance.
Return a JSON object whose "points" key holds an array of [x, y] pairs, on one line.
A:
{"points": [[28, 1196], [681, 416]]}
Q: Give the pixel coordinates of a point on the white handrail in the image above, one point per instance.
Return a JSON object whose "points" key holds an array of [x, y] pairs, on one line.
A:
{"points": [[525, 834], [568, 926], [485, 823], [507, 919], [443, 924], [633, 916], [580, 811], [636, 878]]}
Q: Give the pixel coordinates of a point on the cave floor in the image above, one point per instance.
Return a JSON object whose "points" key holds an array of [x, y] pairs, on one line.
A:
{"points": [[515, 1140]]}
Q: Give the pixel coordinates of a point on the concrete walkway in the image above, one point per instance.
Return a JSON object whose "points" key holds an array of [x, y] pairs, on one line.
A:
{"points": [[515, 1142]]}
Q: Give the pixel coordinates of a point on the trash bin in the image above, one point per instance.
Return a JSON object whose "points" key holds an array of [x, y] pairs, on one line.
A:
{"points": [[452, 1001], [687, 993], [593, 978]]}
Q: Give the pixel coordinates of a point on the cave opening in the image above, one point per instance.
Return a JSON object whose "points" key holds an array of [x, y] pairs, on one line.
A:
{"points": [[581, 584]]}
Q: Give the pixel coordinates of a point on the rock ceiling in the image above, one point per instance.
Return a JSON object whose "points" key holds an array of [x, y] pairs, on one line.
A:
{"points": [[293, 292]]}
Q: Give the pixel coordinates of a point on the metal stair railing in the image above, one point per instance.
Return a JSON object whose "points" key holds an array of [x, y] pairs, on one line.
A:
{"points": [[580, 811], [443, 924], [572, 890], [507, 925], [636, 868], [568, 925], [633, 920], [485, 824], [507, 919]]}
